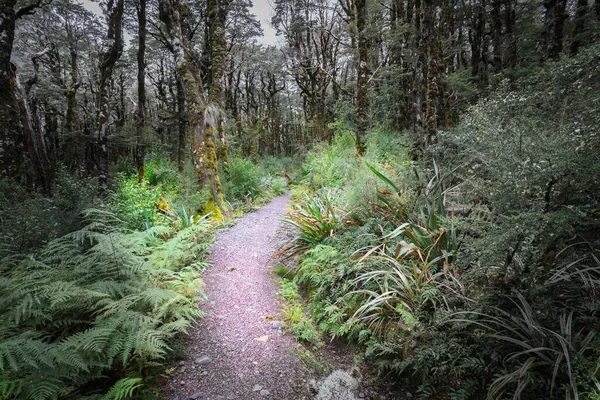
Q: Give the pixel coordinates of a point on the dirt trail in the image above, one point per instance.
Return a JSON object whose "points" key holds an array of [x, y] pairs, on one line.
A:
{"points": [[249, 356]]}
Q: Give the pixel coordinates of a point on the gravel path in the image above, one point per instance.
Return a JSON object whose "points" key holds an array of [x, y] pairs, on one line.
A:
{"points": [[238, 351]]}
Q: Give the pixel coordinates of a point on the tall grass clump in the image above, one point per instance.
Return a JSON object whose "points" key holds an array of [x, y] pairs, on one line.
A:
{"points": [[313, 222]]}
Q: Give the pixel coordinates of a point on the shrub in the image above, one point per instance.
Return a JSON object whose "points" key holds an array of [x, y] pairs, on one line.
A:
{"points": [[274, 185], [482, 282], [299, 324], [136, 202], [30, 220], [243, 180]]}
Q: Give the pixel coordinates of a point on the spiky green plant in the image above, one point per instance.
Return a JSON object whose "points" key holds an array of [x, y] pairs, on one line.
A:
{"points": [[398, 294], [537, 357], [412, 265], [312, 223]]}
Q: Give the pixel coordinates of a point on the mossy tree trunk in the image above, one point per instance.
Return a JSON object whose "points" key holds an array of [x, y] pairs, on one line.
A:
{"points": [[217, 16], [182, 125], [356, 10], [175, 14]]}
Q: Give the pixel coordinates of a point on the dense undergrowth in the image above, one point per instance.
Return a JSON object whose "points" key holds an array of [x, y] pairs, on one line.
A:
{"points": [[97, 292], [474, 274]]}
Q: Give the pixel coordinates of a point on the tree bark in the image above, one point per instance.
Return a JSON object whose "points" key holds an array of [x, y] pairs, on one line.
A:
{"points": [[362, 75], [140, 146], [420, 76], [511, 43], [33, 128], [356, 11], [175, 14], [476, 38], [12, 146], [579, 26], [554, 19], [73, 135], [496, 36], [113, 49], [217, 16], [182, 124]]}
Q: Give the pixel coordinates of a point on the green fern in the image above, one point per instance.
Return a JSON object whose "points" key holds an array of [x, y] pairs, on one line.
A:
{"points": [[89, 302], [123, 389]]}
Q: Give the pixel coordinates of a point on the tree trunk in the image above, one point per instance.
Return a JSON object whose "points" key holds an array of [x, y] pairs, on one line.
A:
{"points": [[578, 28], [113, 49], [511, 43], [420, 77], [554, 20], [182, 125], [175, 15], [362, 75], [33, 130], [140, 146], [478, 47], [217, 16], [12, 146], [496, 36], [74, 139]]}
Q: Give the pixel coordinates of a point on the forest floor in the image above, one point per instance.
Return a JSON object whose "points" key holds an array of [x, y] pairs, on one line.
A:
{"points": [[239, 350]]}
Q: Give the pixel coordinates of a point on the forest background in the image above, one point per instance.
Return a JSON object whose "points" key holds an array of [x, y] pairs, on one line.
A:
{"points": [[444, 160]]}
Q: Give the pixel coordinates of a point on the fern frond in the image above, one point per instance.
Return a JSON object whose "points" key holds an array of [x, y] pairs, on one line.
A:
{"points": [[123, 389]]}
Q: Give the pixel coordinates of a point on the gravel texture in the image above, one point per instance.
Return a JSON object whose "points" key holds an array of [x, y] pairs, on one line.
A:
{"points": [[238, 351]]}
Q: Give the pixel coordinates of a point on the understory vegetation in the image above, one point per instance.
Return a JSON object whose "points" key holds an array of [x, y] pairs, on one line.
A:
{"points": [[476, 273], [444, 161], [97, 292]]}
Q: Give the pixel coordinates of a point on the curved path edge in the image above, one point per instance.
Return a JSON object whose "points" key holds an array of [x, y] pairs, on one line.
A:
{"points": [[237, 351]]}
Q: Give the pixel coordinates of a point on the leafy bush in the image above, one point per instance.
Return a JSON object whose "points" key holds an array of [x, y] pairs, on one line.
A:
{"points": [[299, 324], [527, 164], [272, 184], [29, 220], [330, 165], [243, 182], [136, 202], [159, 171]]}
